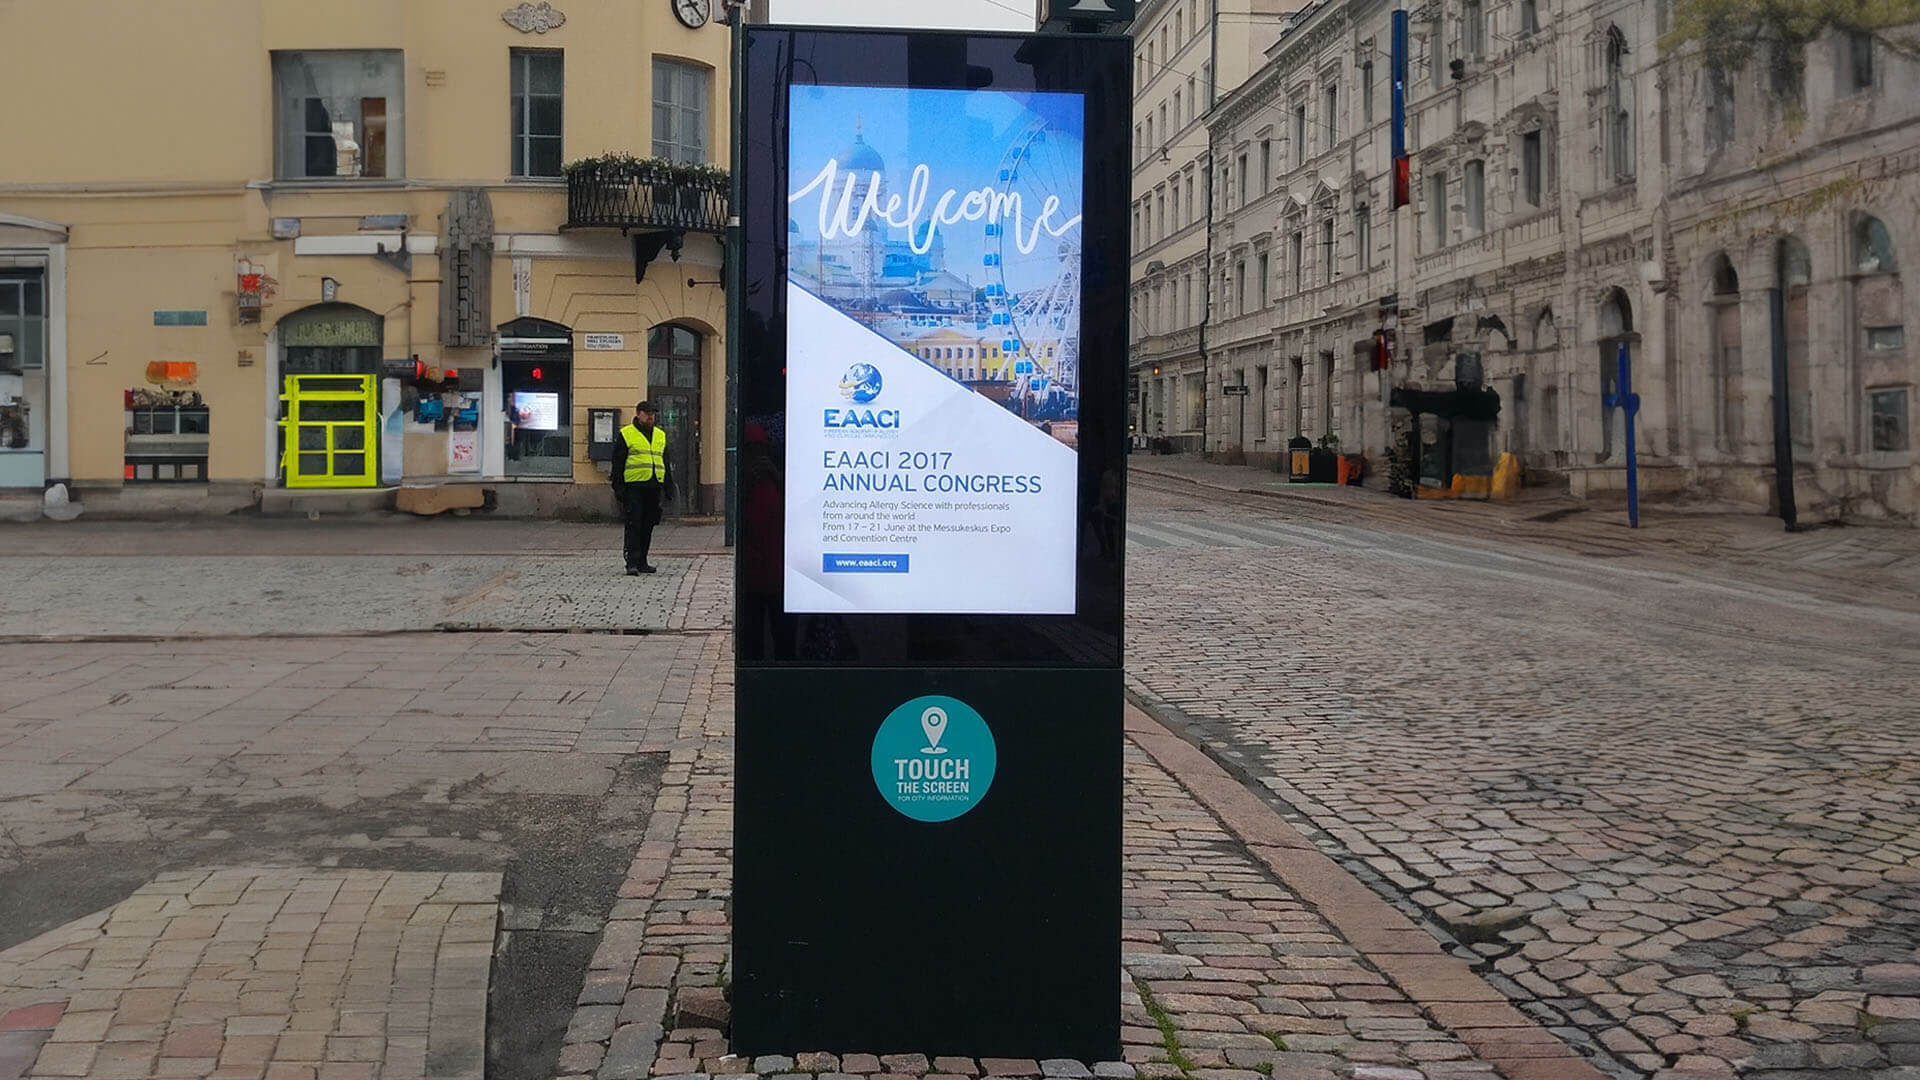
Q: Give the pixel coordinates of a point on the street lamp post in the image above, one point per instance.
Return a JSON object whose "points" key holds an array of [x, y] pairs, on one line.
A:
{"points": [[735, 275]]}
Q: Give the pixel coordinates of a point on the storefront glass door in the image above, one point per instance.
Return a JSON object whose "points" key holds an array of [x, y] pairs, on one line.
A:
{"points": [[539, 415], [329, 431], [536, 393], [673, 383], [23, 379]]}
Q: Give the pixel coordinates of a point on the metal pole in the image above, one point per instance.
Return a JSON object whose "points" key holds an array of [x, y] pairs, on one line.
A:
{"points": [[1630, 405], [1206, 262], [1782, 408], [736, 272]]}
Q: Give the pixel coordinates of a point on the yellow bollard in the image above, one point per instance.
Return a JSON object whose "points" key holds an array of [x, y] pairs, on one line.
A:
{"points": [[1506, 477]]}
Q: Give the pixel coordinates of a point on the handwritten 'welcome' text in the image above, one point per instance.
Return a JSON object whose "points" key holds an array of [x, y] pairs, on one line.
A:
{"points": [[849, 214]]}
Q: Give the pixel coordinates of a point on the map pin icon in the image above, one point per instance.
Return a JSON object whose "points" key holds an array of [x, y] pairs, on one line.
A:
{"points": [[934, 723]]}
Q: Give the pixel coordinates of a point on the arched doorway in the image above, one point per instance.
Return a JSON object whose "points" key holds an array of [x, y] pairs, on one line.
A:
{"points": [[1723, 309], [1616, 329], [536, 394], [329, 364], [674, 357]]}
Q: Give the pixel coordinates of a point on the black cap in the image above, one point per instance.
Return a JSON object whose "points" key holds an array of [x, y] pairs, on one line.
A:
{"points": [[645, 406]]}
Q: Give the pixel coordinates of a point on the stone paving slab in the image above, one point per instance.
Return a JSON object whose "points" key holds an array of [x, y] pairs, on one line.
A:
{"points": [[360, 534], [1229, 974], [262, 973], [336, 720], [56, 597]]}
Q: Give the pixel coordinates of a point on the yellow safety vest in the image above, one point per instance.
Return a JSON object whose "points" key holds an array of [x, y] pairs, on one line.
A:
{"points": [[645, 461]]}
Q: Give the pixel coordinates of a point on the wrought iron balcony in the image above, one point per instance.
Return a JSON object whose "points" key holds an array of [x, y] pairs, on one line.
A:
{"points": [[645, 196]]}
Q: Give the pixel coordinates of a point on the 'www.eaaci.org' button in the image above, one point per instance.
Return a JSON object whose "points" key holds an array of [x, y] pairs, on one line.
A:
{"points": [[864, 564]]}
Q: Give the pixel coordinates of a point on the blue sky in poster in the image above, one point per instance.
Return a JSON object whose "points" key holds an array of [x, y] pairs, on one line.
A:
{"points": [[965, 139]]}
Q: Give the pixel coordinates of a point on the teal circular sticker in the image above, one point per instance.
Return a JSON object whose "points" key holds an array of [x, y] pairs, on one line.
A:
{"points": [[933, 758]]}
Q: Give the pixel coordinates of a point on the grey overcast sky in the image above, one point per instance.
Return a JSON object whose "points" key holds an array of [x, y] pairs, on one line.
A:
{"points": [[923, 14]]}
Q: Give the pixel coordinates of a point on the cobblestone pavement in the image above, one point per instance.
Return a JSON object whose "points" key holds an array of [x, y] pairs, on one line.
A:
{"points": [[1876, 564], [245, 974], [1229, 975], [353, 577], [1675, 817]]}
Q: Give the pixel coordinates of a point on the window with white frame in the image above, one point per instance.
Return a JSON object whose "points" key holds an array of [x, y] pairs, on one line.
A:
{"points": [[1872, 246], [1300, 134], [1888, 419], [1296, 262], [339, 114], [1475, 182], [1366, 91], [1262, 268], [1330, 114], [1532, 166], [1473, 30], [1618, 122], [1436, 210], [1326, 248], [680, 94], [1856, 56], [23, 321], [1362, 238], [538, 79], [1720, 122]]}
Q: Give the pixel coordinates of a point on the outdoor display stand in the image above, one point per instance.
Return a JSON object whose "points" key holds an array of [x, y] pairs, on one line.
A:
{"points": [[931, 515]]}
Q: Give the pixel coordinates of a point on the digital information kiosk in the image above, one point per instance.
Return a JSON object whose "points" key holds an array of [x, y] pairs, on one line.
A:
{"points": [[931, 520]]}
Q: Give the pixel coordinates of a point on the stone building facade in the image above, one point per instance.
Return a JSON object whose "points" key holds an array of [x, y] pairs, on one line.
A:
{"points": [[1186, 53], [1573, 188]]}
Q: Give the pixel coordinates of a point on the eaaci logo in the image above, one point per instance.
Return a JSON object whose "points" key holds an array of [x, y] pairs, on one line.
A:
{"points": [[861, 384]]}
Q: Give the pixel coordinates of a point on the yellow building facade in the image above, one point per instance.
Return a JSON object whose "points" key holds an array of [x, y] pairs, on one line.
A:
{"points": [[250, 247]]}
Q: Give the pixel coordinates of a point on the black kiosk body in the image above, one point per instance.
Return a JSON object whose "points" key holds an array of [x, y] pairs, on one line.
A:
{"points": [[932, 389]]}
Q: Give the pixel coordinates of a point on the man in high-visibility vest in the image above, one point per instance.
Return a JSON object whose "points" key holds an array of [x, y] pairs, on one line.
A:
{"points": [[640, 478]]}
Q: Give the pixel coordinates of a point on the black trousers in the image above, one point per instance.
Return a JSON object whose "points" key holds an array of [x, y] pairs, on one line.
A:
{"points": [[641, 506]]}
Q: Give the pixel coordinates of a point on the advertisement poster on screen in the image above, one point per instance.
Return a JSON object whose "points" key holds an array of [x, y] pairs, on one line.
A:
{"points": [[933, 384], [535, 410]]}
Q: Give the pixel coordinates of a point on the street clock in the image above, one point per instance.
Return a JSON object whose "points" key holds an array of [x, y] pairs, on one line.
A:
{"points": [[693, 13]]}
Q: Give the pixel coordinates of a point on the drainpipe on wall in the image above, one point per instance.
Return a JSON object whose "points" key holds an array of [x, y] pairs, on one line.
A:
{"points": [[736, 263], [1782, 408], [1206, 308]]}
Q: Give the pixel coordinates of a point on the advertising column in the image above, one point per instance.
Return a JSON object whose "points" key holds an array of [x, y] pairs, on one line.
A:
{"points": [[929, 591]]}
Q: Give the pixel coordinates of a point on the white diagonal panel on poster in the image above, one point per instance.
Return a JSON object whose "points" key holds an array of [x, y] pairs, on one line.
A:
{"points": [[908, 491]]}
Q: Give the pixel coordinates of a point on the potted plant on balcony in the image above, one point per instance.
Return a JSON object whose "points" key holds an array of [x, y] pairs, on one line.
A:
{"points": [[619, 188]]}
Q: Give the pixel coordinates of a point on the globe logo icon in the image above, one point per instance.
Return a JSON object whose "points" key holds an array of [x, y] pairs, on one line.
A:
{"points": [[860, 384]]}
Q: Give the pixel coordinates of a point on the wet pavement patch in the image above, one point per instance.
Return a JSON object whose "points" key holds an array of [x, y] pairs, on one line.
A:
{"points": [[562, 858]]}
